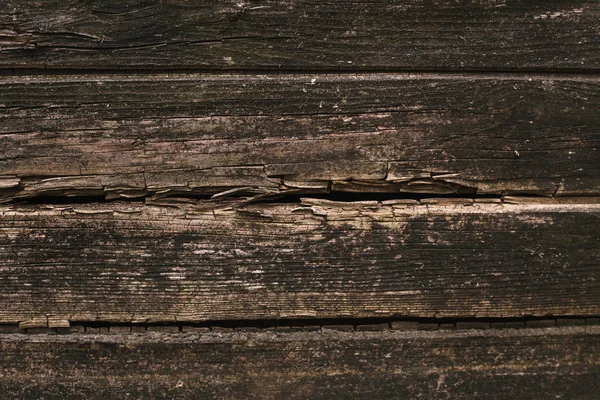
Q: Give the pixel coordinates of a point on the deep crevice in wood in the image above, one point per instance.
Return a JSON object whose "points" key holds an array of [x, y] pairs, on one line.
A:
{"points": [[308, 324], [292, 197]]}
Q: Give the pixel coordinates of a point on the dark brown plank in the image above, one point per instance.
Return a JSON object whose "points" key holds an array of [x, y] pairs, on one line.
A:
{"points": [[530, 364], [130, 135], [319, 259], [405, 34]]}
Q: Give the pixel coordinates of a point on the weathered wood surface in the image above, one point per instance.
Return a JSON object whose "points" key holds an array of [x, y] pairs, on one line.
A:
{"points": [[174, 110], [131, 135], [530, 364], [408, 34], [127, 262]]}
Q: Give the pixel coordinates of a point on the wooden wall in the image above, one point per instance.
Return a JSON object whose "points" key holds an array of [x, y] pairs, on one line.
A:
{"points": [[295, 199]]}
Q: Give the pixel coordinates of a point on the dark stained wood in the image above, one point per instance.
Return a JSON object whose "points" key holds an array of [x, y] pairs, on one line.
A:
{"points": [[406, 34], [130, 135], [126, 262], [530, 364]]}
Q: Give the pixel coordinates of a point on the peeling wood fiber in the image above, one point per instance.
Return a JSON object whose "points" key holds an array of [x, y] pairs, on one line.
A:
{"points": [[251, 34], [529, 364], [134, 135], [125, 262]]}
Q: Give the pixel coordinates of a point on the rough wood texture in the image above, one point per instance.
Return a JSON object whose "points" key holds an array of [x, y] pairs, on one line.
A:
{"points": [[530, 364], [130, 135], [409, 34], [190, 262]]}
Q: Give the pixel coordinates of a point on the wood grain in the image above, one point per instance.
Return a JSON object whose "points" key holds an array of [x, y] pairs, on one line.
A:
{"points": [[528, 364], [401, 34], [134, 135], [128, 262]]}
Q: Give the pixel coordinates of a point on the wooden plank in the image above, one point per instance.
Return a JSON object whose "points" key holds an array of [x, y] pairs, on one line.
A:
{"points": [[528, 364], [128, 262], [406, 34], [132, 135]]}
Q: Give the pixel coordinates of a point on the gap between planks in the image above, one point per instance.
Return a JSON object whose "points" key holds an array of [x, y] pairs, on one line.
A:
{"points": [[51, 326], [324, 334]]}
